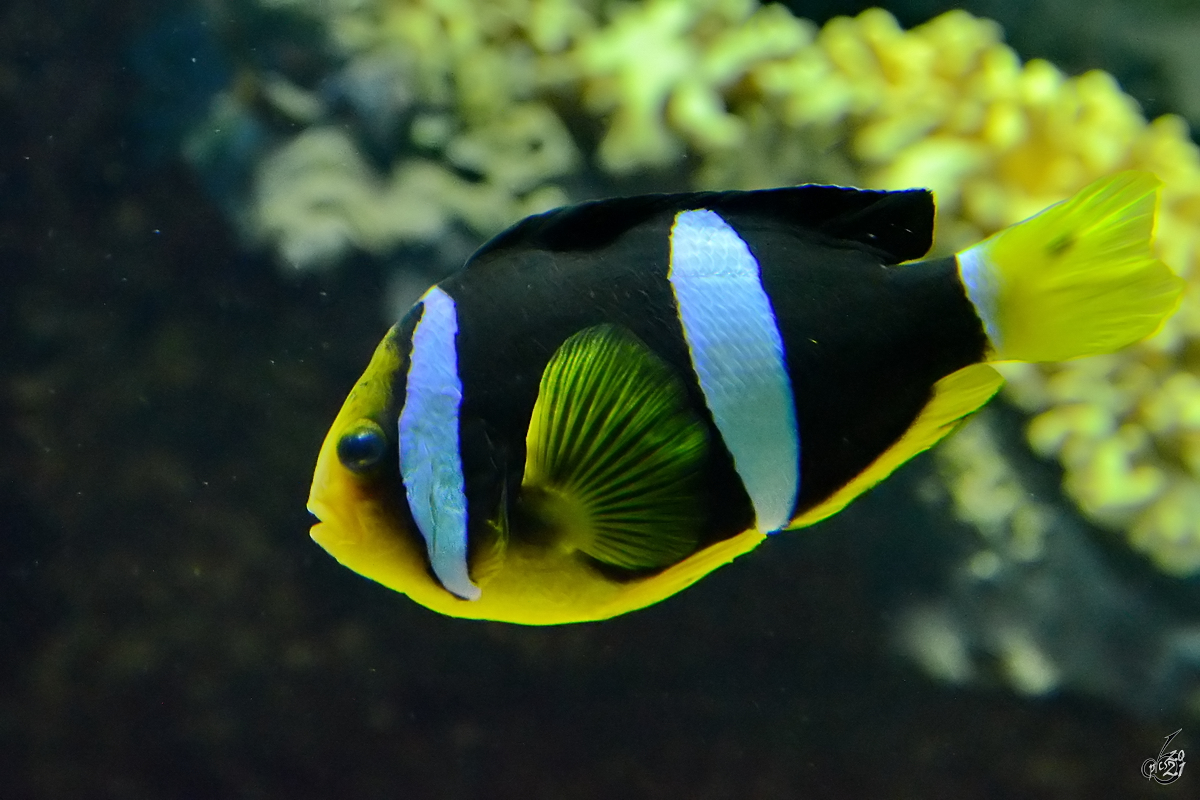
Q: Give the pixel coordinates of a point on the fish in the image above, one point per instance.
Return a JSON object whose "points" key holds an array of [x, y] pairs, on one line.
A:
{"points": [[612, 399]]}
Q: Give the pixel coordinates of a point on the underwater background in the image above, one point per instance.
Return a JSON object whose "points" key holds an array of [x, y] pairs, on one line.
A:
{"points": [[211, 211]]}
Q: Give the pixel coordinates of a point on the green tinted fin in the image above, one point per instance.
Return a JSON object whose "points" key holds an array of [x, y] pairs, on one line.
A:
{"points": [[614, 453], [1077, 279], [955, 396]]}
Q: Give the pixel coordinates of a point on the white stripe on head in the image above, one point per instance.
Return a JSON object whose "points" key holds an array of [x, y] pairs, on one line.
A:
{"points": [[430, 459], [737, 352]]}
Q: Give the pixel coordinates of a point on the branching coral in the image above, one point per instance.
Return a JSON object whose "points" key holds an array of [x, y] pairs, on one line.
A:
{"points": [[485, 78], [479, 144], [663, 71], [757, 97], [1030, 602]]}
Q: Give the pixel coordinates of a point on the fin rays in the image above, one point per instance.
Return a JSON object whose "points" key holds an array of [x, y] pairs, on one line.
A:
{"points": [[614, 453], [1076, 279]]}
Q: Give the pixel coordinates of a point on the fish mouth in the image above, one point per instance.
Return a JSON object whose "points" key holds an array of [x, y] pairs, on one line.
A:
{"points": [[337, 533], [325, 531], [333, 492]]}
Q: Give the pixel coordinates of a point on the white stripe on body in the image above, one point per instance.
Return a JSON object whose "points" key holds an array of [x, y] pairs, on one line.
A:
{"points": [[737, 353], [982, 283]]}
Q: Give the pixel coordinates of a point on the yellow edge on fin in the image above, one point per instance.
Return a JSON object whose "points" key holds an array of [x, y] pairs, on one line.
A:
{"points": [[954, 396], [677, 578]]}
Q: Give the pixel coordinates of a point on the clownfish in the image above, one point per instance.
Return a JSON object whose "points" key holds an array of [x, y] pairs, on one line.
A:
{"points": [[612, 399]]}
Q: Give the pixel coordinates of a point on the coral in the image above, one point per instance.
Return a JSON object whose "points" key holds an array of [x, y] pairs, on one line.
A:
{"points": [[662, 72], [317, 197], [989, 493], [478, 144], [483, 80], [1028, 600]]}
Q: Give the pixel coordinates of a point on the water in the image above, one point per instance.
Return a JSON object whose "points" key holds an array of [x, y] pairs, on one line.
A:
{"points": [[170, 630]]}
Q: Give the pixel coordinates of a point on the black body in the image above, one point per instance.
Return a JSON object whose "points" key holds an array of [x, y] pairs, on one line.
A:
{"points": [[865, 339]]}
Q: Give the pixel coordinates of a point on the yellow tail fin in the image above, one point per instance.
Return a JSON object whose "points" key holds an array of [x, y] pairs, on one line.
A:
{"points": [[1076, 279]]}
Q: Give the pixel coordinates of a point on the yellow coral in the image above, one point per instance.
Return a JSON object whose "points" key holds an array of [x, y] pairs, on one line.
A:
{"points": [[316, 198], [657, 72], [475, 68], [989, 494], [660, 70]]}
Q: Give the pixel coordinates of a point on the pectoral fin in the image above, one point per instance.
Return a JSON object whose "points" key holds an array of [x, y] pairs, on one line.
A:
{"points": [[614, 453]]}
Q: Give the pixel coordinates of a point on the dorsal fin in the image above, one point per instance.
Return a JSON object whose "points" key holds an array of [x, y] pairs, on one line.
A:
{"points": [[898, 224]]}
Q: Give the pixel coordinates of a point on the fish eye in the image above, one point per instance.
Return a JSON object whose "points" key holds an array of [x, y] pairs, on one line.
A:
{"points": [[362, 446]]}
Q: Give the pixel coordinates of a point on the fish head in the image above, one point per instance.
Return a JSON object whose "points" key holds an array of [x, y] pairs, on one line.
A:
{"points": [[357, 494], [365, 523]]}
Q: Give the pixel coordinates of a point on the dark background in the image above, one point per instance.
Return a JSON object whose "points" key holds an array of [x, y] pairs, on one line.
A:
{"points": [[168, 630]]}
